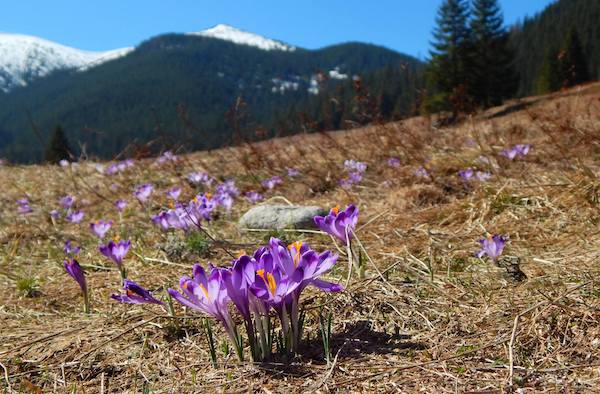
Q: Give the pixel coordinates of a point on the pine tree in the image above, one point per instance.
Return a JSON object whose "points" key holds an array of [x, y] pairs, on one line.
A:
{"points": [[58, 149], [549, 79], [492, 76], [446, 74], [573, 67]]}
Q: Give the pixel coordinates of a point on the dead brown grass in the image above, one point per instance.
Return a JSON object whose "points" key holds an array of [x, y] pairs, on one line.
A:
{"points": [[439, 321]]}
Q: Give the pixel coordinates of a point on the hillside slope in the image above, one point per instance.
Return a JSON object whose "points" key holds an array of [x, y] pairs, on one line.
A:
{"points": [[429, 316]]}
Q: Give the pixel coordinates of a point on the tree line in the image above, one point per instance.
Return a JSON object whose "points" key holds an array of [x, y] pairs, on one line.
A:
{"points": [[476, 62]]}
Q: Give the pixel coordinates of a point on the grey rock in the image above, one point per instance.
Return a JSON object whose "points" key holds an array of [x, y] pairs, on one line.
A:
{"points": [[278, 217]]}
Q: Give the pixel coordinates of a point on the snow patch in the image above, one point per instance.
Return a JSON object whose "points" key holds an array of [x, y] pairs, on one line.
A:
{"points": [[237, 36], [24, 58], [335, 74]]}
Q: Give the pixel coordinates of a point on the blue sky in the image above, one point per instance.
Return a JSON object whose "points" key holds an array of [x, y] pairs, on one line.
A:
{"points": [[403, 25]]}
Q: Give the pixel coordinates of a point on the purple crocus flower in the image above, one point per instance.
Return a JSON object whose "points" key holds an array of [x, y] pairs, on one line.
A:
{"points": [[208, 294], [55, 214], [143, 192], [292, 172], [75, 217], [483, 176], [238, 280], [515, 151], [111, 169], [355, 177], [299, 255], [225, 194], [509, 153], [355, 166], [101, 227], [24, 207], [64, 163], [254, 196], [522, 149], [161, 220], [66, 202], [116, 251], [492, 246], [346, 184], [393, 162], [174, 193], [167, 156], [74, 269], [200, 177], [120, 205], [467, 174], [228, 187], [135, 294], [69, 249], [272, 182], [336, 223], [421, 172], [273, 286], [282, 273]]}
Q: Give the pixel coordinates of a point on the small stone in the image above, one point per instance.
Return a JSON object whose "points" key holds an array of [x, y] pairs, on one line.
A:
{"points": [[278, 217]]}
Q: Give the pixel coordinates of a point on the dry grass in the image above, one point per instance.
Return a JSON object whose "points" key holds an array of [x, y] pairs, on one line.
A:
{"points": [[439, 321]]}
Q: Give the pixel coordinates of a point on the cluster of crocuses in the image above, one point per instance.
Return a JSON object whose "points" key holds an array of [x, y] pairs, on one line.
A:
{"points": [[188, 216], [225, 194], [274, 277], [270, 183], [355, 170], [66, 208], [394, 162], [23, 206], [469, 175], [116, 250], [200, 178], [120, 166], [166, 157], [519, 150]]}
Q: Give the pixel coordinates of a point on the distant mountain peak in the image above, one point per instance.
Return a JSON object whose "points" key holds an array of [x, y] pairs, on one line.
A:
{"points": [[237, 36], [24, 58]]}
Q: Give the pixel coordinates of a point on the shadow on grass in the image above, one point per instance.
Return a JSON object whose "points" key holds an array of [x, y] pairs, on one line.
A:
{"points": [[356, 341]]}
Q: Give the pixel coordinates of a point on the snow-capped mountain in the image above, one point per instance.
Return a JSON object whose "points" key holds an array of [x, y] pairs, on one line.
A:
{"points": [[237, 36], [24, 58]]}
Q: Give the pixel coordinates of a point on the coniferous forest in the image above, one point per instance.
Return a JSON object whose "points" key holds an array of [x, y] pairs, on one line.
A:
{"points": [[176, 91]]}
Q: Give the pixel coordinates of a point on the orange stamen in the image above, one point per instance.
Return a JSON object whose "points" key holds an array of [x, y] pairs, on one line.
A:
{"points": [[296, 245], [269, 280], [271, 283], [335, 210], [204, 291]]}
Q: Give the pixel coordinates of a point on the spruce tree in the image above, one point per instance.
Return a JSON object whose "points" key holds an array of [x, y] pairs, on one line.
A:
{"points": [[491, 74], [447, 70], [573, 67], [58, 149], [549, 78]]}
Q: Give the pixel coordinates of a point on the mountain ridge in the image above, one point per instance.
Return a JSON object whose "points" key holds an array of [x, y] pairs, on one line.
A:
{"points": [[140, 97]]}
